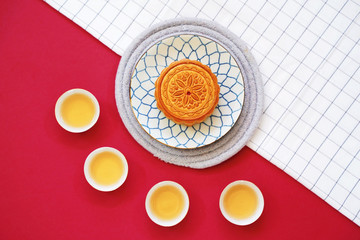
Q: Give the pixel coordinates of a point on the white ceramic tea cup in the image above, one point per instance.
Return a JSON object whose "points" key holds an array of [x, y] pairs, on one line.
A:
{"points": [[184, 199], [103, 154], [59, 115], [256, 194]]}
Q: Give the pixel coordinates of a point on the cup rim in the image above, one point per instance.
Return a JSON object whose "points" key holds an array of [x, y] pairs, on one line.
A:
{"points": [[92, 182], [178, 219], [258, 211], [60, 119]]}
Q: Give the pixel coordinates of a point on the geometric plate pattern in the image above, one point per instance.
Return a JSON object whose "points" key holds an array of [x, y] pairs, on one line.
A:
{"points": [[161, 55]]}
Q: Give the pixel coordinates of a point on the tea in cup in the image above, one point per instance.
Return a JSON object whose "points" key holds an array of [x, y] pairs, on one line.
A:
{"points": [[77, 110], [241, 202], [167, 203], [106, 169]]}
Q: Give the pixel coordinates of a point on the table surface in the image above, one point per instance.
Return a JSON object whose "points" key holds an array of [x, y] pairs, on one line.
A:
{"points": [[44, 194]]}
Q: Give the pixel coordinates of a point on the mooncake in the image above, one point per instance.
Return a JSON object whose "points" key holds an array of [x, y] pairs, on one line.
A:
{"points": [[187, 92]]}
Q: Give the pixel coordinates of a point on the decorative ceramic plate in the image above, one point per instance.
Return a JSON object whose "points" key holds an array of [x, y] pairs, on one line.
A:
{"points": [[148, 69]]}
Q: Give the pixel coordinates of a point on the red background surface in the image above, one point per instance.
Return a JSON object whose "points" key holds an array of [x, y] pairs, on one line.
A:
{"points": [[44, 194]]}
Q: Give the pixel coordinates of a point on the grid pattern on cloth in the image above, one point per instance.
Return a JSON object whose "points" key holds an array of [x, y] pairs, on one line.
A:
{"points": [[308, 54]]}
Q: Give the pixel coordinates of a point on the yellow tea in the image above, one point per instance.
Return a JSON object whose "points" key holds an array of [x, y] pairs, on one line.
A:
{"points": [[78, 110], [106, 168], [167, 202], [240, 201]]}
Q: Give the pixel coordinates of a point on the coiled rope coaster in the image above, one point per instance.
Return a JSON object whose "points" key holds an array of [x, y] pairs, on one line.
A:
{"points": [[226, 145]]}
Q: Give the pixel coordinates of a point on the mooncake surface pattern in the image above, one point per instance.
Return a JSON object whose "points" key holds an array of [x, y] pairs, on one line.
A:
{"points": [[187, 92]]}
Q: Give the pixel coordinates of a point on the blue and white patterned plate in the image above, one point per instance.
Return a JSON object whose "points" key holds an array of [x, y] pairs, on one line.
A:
{"points": [[148, 69]]}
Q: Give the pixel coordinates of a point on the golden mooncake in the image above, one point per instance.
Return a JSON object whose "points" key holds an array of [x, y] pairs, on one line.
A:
{"points": [[187, 92]]}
